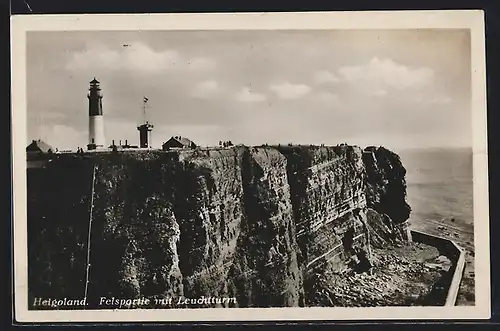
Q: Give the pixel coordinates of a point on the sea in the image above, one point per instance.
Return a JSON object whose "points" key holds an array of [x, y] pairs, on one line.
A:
{"points": [[440, 186]]}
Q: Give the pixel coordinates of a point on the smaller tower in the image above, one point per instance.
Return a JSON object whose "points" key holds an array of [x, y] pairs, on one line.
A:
{"points": [[145, 129]]}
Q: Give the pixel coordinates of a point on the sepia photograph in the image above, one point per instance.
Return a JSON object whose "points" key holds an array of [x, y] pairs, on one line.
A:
{"points": [[318, 162]]}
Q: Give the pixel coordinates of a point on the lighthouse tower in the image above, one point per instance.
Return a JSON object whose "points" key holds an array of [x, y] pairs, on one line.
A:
{"points": [[96, 120]]}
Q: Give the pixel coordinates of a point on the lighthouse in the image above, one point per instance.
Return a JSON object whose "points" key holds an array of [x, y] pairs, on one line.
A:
{"points": [[96, 120]]}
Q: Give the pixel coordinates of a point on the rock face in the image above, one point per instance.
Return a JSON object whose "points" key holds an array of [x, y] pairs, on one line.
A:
{"points": [[250, 223], [386, 196], [327, 186]]}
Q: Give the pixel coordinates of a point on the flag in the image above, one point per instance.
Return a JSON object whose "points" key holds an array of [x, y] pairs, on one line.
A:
{"points": [[146, 99]]}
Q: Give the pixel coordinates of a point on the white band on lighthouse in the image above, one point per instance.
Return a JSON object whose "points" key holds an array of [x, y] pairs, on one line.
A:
{"points": [[96, 130]]}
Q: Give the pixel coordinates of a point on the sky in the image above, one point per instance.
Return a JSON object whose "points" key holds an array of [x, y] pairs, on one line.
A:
{"points": [[396, 88]]}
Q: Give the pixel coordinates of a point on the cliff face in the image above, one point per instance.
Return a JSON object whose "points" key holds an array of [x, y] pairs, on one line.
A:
{"points": [[386, 196], [245, 222], [327, 187]]}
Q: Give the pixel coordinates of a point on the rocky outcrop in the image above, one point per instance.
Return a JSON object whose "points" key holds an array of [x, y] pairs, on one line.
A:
{"points": [[386, 196], [249, 223]]}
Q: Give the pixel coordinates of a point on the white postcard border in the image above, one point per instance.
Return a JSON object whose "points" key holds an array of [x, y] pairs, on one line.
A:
{"points": [[473, 20]]}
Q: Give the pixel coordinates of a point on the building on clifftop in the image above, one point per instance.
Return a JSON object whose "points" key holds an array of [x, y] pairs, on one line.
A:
{"points": [[39, 146], [178, 142], [38, 153]]}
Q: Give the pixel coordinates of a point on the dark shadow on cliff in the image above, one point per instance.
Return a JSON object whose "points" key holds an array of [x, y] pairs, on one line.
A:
{"points": [[58, 210], [386, 183]]}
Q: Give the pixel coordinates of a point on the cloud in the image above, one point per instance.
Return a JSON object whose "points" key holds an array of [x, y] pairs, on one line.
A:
{"points": [[433, 99], [380, 93], [201, 63], [290, 91], [245, 95], [327, 97], [50, 115], [206, 89], [324, 76], [387, 73], [137, 56], [72, 137], [441, 99]]}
